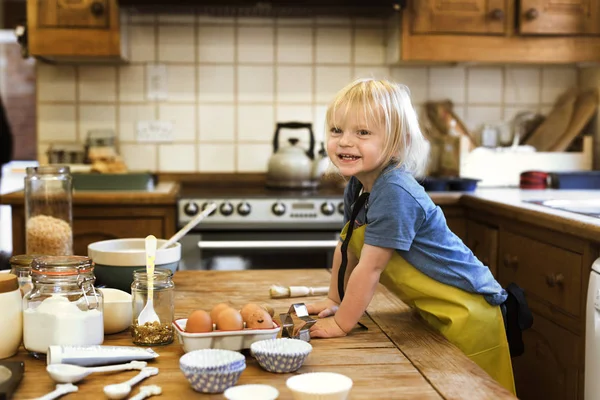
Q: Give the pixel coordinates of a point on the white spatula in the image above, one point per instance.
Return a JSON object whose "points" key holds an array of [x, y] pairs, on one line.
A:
{"points": [[148, 315]]}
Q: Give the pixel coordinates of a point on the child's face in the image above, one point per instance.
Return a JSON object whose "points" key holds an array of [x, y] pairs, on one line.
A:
{"points": [[355, 145]]}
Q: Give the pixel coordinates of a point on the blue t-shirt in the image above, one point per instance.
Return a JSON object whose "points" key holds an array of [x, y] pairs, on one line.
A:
{"points": [[400, 215]]}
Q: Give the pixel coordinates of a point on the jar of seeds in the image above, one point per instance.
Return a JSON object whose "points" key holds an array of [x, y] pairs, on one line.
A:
{"points": [[162, 291]]}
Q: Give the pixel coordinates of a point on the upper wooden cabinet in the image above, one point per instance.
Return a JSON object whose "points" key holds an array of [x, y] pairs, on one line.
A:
{"points": [[76, 30], [460, 16], [559, 17]]}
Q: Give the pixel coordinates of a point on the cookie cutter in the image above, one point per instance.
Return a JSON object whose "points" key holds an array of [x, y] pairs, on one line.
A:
{"points": [[287, 323]]}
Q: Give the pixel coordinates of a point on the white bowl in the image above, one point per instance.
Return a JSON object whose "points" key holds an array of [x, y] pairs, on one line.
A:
{"points": [[131, 252], [251, 392], [320, 386], [117, 310]]}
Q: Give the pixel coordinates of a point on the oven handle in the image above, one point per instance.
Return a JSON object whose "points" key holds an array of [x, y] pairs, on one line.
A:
{"points": [[268, 244]]}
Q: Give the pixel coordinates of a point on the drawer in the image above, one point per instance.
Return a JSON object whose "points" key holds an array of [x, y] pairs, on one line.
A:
{"points": [[551, 273]]}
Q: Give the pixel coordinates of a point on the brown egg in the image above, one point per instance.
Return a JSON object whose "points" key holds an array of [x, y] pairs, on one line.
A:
{"points": [[259, 319], [199, 321], [248, 310], [216, 310], [269, 309], [229, 320]]}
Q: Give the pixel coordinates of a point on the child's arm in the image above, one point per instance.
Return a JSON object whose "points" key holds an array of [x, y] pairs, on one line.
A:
{"points": [[359, 292]]}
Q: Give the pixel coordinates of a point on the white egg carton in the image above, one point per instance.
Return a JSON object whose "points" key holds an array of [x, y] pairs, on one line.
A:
{"points": [[227, 340]]}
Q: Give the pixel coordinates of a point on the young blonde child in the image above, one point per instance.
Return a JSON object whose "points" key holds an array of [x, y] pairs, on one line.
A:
{"points": [[395, 233]]}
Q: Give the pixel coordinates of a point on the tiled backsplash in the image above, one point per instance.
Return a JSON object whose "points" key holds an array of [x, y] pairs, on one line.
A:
{"points": [[230, 80]]}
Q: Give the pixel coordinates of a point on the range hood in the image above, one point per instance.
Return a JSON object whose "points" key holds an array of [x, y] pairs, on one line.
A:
{"points": [[270, 8]]}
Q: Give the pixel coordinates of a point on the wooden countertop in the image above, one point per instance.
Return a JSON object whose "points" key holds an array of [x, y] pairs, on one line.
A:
{"points": [[398, 357]]}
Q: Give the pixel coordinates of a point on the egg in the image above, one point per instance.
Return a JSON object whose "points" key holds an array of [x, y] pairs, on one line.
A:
{"points": [[199, 321], [229, 320], [259, 319], [248, 309], [216, 310], [269, 309]]}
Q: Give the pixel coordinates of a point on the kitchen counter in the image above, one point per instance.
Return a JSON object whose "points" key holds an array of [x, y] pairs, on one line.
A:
{"points": [[397, 357]]}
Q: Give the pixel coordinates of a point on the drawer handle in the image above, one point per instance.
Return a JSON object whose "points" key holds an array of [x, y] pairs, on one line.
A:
{"points": [[555, 279], [497, 14], [511, 261], [531, 14]]}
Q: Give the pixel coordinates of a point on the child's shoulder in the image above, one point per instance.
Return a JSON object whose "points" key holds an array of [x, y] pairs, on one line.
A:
{"points": [[398, 182]]}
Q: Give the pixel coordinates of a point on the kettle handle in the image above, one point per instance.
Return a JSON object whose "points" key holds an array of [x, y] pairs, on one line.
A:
{"points": [[295, 125]]}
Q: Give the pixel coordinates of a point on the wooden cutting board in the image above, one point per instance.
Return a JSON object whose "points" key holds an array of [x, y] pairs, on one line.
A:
{"points": [[585, 108]]}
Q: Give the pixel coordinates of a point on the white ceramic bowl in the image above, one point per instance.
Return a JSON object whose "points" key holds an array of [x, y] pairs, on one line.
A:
{"points": [[117, 310], [320, 386], [251, 392]]}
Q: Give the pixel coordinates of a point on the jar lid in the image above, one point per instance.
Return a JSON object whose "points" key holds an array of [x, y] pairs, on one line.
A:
{"points": [[61, 265], [23, 260], [8, 283]]}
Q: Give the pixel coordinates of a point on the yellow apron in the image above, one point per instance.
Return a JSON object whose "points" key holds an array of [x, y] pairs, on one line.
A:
{"points": [[467, 320]]}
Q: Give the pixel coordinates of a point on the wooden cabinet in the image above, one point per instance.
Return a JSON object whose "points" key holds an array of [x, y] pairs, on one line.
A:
{"points": [[483, 242], [76, 30], [549, 17]]}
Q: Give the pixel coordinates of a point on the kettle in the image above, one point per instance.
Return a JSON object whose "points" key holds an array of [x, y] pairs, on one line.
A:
{"points": [[291, 167]]}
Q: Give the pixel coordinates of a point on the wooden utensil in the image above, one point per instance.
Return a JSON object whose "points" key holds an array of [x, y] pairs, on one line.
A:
{"points": [[585, 108]]}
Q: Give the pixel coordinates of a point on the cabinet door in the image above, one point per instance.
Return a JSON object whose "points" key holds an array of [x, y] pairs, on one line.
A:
{"points": [[559, 17], [483, 242], [460, 16], [73, 14]]}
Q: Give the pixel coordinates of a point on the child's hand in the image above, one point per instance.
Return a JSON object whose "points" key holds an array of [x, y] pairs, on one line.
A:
{"points": [[323, 308], [326, 328]]}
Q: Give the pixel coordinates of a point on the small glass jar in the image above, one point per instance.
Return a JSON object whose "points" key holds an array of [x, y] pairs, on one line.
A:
{"points": [[48, 210], [158, 332], [20, 266], [63, 307]]}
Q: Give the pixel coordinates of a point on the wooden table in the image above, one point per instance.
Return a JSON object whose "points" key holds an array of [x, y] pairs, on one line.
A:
{"points": [[398, 357]]}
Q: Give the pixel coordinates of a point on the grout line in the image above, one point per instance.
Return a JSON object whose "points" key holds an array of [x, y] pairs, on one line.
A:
{"points": [[196, 93], [236, 125], [157, 146]]}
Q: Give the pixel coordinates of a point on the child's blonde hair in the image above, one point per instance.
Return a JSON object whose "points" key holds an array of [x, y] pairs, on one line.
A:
{"points": [[389, 103]]}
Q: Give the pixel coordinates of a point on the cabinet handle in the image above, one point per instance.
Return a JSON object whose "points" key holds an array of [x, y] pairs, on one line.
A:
{"points": [[97, 8], [532, 14], [511, 261], [555, 279], [497, 14]]}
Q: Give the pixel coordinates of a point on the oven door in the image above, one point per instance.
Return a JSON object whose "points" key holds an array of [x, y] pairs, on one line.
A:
{"points": [[243, 250]]}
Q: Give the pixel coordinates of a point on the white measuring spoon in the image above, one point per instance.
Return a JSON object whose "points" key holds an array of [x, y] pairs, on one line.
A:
{"points": [[147, 391], [61, 390], [122, 390], [67, 373], [148, 315], [195, 221]]}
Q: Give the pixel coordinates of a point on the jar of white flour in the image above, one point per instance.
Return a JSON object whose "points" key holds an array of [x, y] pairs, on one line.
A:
{"points": [[63, 307]]}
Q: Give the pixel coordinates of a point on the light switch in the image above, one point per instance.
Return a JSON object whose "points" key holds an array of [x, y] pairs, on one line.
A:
{"points": [[154, 131], [156, 84]]}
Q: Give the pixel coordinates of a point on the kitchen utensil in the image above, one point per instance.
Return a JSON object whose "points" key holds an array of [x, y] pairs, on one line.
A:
{"points": [[148, 315], [280, 292], [290, 330], [585, 108], [122, 390], [181, 233], [67, 373], [61, 390], [147, 391]]}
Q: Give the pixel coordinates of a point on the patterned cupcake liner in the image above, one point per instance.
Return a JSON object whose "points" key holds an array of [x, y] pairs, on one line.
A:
{"points": [[216, 382], [215, 360]]}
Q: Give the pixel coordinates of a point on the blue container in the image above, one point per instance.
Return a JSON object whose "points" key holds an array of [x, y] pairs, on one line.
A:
{"points": [[435, 184], [575, 180], [463, 184]]}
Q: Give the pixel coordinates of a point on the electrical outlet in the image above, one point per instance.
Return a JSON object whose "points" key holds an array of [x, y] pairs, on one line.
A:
{"points": [[154, 131], [156, 82]]}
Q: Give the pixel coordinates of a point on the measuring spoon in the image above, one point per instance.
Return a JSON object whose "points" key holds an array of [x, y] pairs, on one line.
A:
{"points": [[61, 389], [122, 390], [67, 373], [147, 391]]}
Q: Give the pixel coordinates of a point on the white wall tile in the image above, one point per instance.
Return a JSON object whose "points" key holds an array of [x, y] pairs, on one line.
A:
{"points": [[447, 83], [334, 45], [176, 43], [55, 82], [294, 84], [253, 157], [181, 83], [255, 44], [141, 17], [97, 83], [261, 21], [556, 81], [216, 83], [485, 85], [255, 83], [372, 72], [511, 112], [330, 21], [416, 78], [369, 45], [139, 157], [215, 20], [285, 21], [216, 43], [132, 79], [177, 18], [96, 117], [129, 116], [479, 115], [142, 43], [216, 157], [330, 80], [295, 45], [56, 123], [184, 120], [255, 123], [320, 113], [522, 85], [300, 113], [216, 123], [177, 158]]}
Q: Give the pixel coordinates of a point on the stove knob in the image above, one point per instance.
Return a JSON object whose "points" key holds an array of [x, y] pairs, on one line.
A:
{"points": [[226, 209], [341, 208], [244, 209], [190, 209], [327, 208], [205, 205], [278, 209]]}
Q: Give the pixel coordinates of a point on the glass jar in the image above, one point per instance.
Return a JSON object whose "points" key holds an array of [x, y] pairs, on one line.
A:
{"points": [[48, 210], [158, 332], [63, 307], [20, 266]]}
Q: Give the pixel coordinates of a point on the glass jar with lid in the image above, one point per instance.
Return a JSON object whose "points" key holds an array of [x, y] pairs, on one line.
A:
{"points": [[20, 265], [48, 210], [63, 307], [161, 288]]}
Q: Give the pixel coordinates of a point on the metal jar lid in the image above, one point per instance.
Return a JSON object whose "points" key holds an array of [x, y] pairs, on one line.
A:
{"points": [[8, 283]]}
